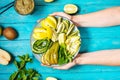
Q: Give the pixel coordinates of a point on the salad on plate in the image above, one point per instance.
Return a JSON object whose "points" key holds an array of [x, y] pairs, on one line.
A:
{"points": [[55, 41]]}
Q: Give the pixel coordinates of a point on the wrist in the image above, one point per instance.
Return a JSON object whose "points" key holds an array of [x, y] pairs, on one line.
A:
{"points": [[79, 61], [76, 20]]}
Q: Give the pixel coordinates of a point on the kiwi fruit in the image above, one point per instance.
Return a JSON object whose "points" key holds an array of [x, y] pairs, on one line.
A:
{"points": [[0, 30], [10, 33]]}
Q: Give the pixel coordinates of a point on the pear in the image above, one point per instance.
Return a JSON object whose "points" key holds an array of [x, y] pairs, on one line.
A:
{"points": [[4, 57], [47, 57], [44, 61]]}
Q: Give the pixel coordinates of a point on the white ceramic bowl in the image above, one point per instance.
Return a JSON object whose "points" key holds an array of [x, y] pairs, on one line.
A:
{"points": [[32, 40]]}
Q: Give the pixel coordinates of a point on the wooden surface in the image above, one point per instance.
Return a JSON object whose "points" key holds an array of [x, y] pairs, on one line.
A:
{"points": [[93, 39]]}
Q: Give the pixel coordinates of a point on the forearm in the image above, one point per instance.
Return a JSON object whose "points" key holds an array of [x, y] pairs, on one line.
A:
{"points": [[105, 57], [107, 17]]}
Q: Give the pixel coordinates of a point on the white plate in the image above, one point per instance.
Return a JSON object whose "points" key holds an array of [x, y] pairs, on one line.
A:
{"points": [[32, 40]]}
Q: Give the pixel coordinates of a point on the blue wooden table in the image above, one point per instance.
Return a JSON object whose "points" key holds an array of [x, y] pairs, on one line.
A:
{"points": [[93, 39]]}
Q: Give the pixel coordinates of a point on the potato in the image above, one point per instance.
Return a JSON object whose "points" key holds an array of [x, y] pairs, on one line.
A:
{"points": [[9, 33]]}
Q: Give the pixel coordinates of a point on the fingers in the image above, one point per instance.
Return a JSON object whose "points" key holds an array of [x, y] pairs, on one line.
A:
{"points": [[45, 65], [61, 14], [64, 67]]}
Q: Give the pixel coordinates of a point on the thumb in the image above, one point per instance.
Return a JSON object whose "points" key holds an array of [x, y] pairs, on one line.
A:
{"points": [[62, 14]]}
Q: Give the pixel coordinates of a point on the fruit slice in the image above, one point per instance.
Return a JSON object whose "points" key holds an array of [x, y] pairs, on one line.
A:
{"points": [[4, 57], [59, 20], [39, 29], [70, 29], [41, 46], [43, 24], [51, 78], [44, 61], [67, 24], [51, 59], [54, 36], [39, 36], [70, 8], [51, 21], [48, 0], [47, 56], [49, 32]]}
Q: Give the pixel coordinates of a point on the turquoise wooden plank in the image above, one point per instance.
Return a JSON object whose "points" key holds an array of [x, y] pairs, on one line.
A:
{"points": [[77, 76], [19, 47], [25, 30], [63, 2], [77, 69], [92, 39], [40, 13]]}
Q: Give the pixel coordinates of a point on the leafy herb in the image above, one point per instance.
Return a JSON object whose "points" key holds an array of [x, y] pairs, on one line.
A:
{"points": [[63, 55], [22, 73]]}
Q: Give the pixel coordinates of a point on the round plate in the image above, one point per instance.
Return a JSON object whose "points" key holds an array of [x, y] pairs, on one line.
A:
{"points": [[32, 40]]}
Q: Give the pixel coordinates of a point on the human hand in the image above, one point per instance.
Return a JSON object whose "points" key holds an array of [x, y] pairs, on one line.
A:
{"points": [[66, 66], [62, 14]]}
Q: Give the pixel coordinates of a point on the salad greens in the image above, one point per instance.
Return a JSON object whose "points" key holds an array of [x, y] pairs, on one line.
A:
{"points": [[23, 73]]}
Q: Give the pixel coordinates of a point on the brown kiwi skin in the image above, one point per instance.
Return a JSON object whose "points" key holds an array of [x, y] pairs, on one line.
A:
{"points": [[10, 33]]}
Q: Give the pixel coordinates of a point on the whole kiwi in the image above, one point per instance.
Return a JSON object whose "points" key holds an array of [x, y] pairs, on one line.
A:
{"points": [[0, 30], [10, 33]]}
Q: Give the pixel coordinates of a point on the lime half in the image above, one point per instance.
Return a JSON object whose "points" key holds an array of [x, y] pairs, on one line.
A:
{"points": [[51, 78], [70, 8], [48, 0]]}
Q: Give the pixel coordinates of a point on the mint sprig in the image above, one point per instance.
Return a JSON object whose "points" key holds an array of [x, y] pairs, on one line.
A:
{"points": [[23, 73]]}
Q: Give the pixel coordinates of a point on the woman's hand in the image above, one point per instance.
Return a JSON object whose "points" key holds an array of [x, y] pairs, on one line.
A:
{"points": [[72, 18], [66, 66], [62, 14]]}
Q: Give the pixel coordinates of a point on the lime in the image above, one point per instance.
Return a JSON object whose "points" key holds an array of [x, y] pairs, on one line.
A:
{"points": [[51, 78], [70, 8], [48, 0]]}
